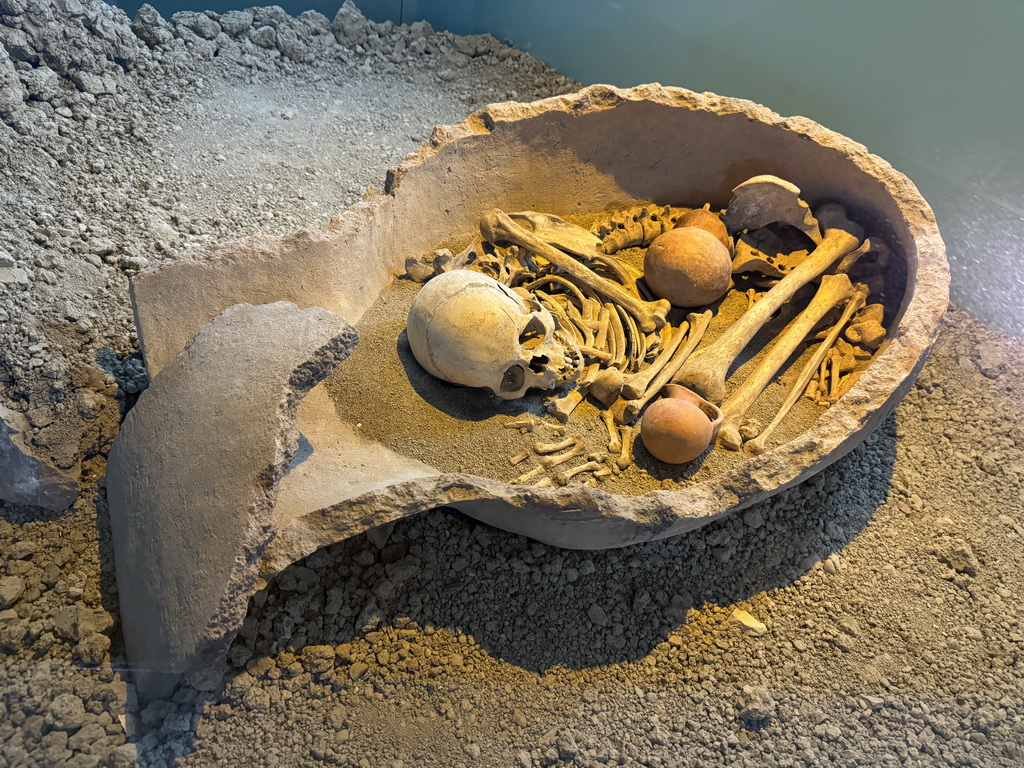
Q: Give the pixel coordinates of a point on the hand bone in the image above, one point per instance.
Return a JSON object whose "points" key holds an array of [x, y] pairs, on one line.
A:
{"points": [[497, 226], [833, 289], [706, 373], [759, 443]]}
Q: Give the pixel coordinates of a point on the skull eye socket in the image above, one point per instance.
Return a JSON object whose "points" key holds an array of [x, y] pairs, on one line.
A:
{"points": [[513, 379], [533, 334]]}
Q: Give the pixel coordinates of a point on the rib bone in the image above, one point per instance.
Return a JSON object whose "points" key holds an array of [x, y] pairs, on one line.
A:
{"points": [[758, 444], [833, 289], [706, 373], [635, 385], [698, 324], [497, 226]]}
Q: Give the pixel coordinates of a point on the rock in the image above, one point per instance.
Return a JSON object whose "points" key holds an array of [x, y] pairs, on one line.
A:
{"points": [[350, 27], [13, 7], [124, 756], [235, 22], [65, 713], [318, 659], [12, 631], [183, 595], [959, 556], [748, 624], [291, 45], [26, 478], [597, 615], [11, 590], [199, 23], [264, 37], [874, 703], [151, 27], [758, 704], [12, 91], [41, 83], [848, 625], [65, 622], [357, 670], [92, 650], [11, 275]]}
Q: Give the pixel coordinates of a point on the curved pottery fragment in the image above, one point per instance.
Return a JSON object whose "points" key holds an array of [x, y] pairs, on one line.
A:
{"points": [[594, 150]]}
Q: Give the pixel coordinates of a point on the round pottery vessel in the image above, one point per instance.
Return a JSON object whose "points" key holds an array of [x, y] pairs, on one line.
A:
{"points": [[680, 426], [599, 149]]}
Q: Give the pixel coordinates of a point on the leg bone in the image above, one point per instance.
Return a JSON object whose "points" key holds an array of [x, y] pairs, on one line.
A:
{"points": [[706, 373], [833, 289], [759, 443]]}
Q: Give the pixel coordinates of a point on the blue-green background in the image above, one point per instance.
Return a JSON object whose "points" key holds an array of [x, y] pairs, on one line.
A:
{"points": [[933, 86]]}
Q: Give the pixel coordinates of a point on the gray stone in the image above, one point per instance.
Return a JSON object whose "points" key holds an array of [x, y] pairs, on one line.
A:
{"points": [[265, 37], [291, 45], [41, 83], [65, 713], [758, 704], [11, 590], [26, 478], [12, 90], [234, 22], [350, 27], [192, 478], [151, 27]]}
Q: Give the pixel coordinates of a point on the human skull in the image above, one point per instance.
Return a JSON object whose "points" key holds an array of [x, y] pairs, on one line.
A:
{"points": [[467, 328]]}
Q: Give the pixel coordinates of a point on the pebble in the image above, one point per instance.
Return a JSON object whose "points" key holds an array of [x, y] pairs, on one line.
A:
{"points": [[748, 624], [11, 590]]}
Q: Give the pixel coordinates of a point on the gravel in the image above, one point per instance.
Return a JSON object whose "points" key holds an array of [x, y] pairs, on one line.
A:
{"points": [[868, 616]]}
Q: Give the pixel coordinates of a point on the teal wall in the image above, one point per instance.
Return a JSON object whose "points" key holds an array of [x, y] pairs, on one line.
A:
{"points": [[933, 86]]}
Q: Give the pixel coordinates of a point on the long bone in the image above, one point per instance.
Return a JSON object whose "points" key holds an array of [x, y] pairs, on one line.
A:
{"points": [[496, 226], [564, 477], [553, 460], [833, 289], [758, 444], [706, 373]]}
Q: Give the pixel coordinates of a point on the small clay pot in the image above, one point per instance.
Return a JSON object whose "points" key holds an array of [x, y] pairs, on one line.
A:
{"points": [[688, 266], [680, 426], [708, 221]]}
